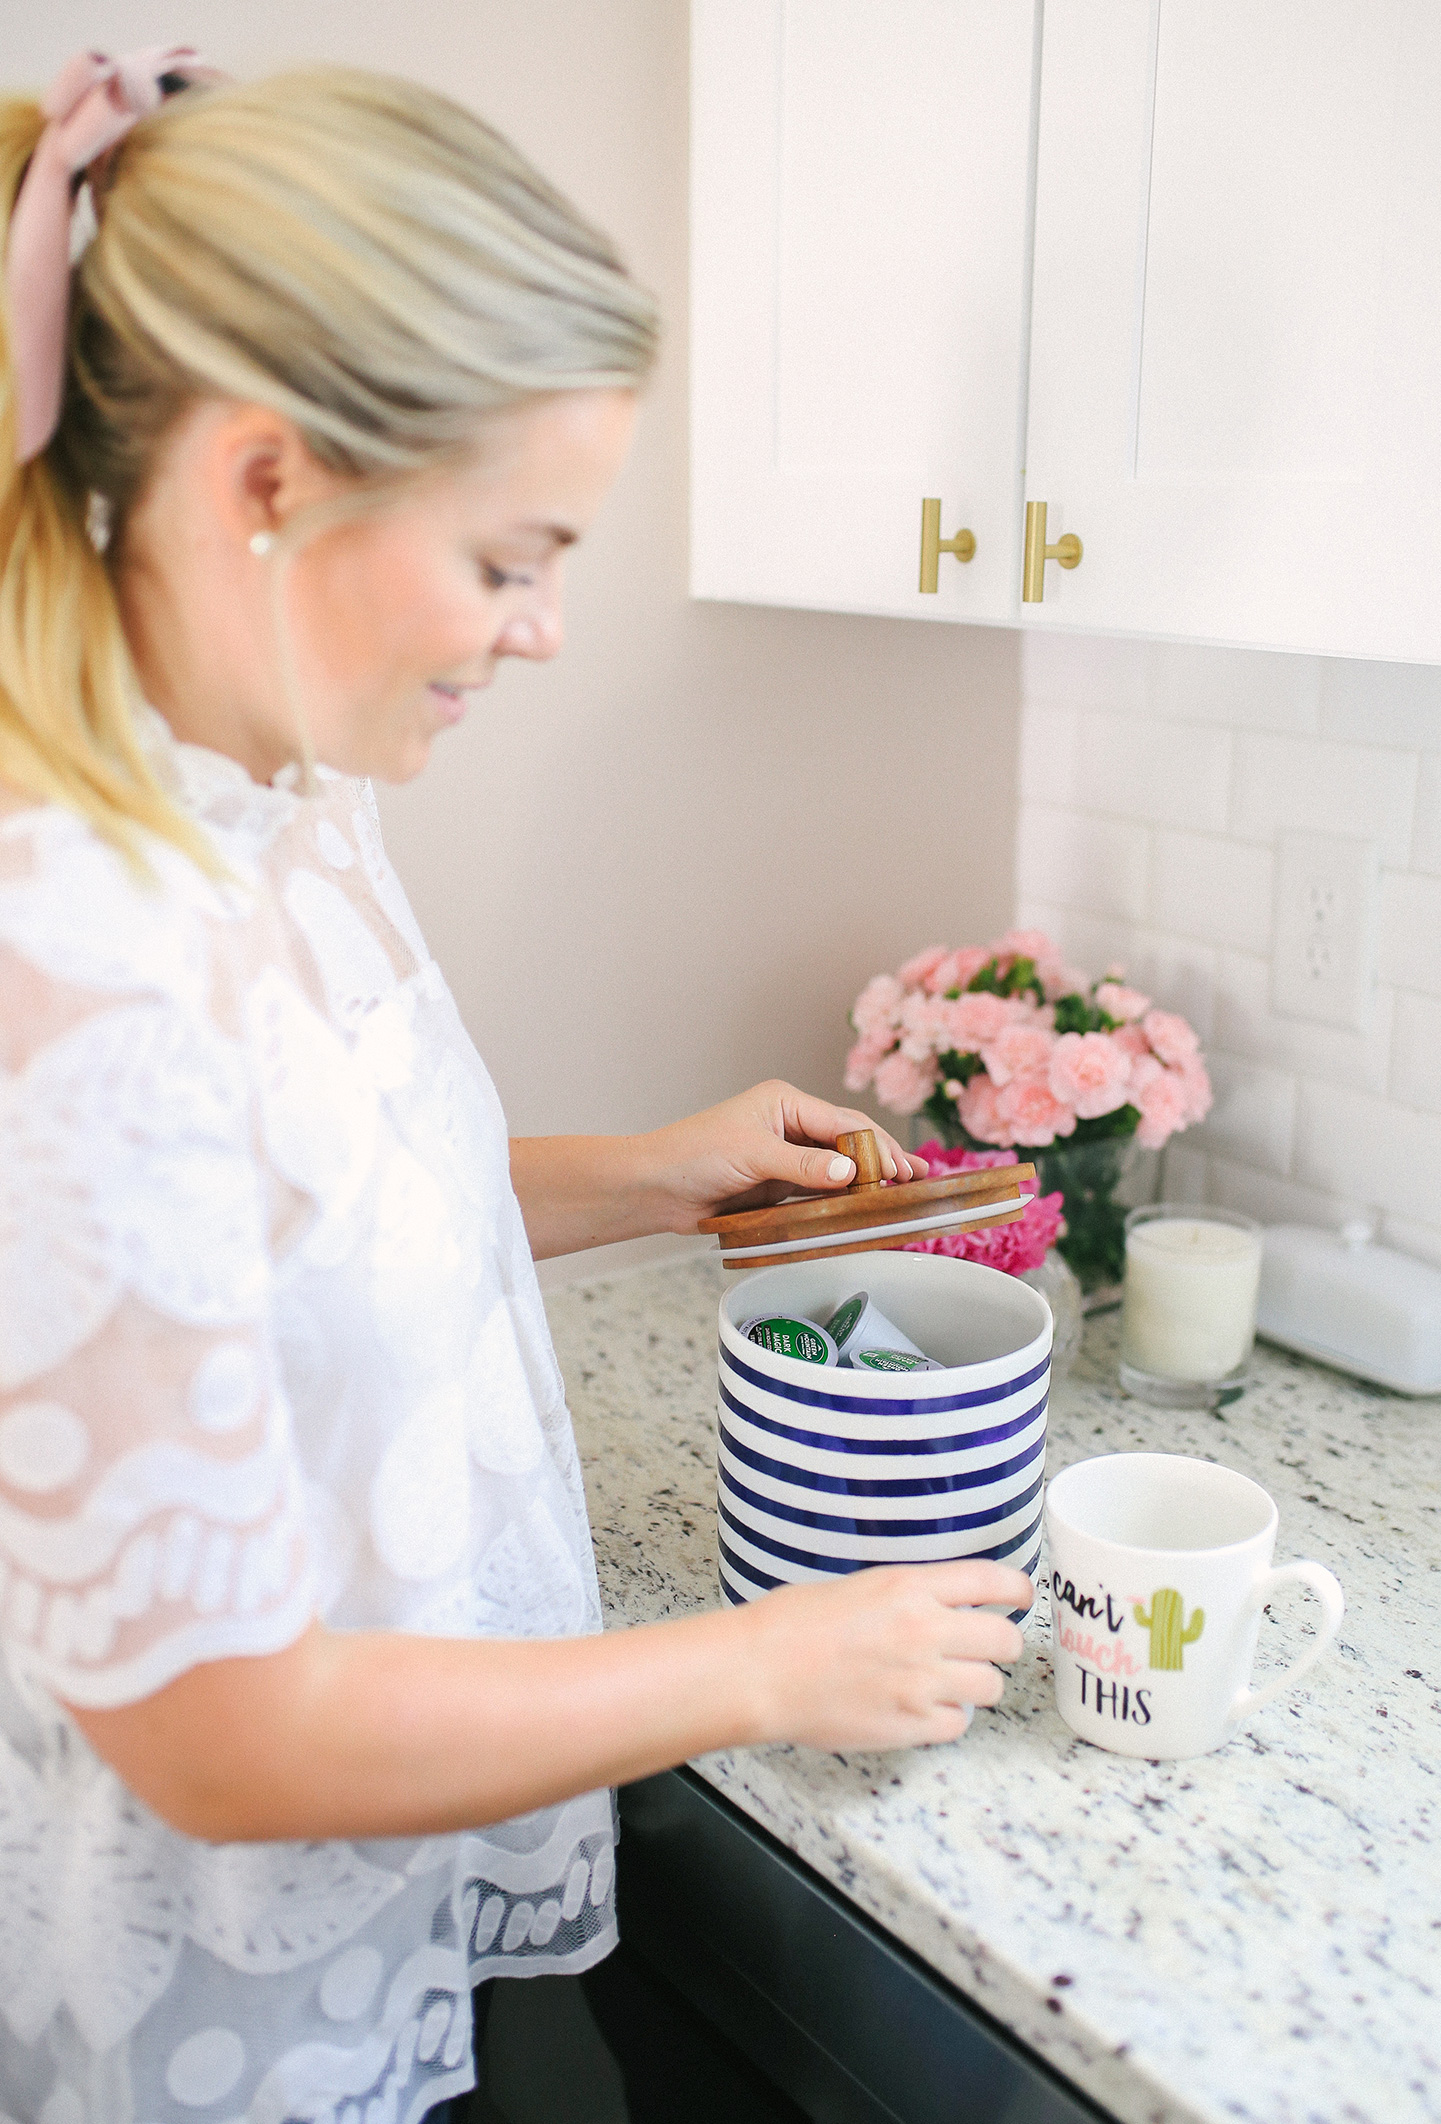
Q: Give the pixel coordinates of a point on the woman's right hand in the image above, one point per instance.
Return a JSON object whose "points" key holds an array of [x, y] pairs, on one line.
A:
{"points": [[889, 1657], [358, 1733]]}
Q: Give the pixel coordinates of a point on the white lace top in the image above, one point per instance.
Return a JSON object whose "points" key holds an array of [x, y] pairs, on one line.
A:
{"points": [[271, 1346]]}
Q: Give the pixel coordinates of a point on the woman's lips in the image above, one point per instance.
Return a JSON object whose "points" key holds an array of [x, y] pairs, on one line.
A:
{"points": [[449, 701]]}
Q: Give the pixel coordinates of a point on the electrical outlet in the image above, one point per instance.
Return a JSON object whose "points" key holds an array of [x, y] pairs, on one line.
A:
{"points": [[1327, 899]]}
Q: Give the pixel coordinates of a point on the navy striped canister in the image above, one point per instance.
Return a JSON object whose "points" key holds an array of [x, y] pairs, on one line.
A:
{"points": [[823, 1469]]}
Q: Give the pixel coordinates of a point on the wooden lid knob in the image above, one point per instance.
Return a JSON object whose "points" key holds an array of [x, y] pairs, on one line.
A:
{"points": [[862, 1146]]}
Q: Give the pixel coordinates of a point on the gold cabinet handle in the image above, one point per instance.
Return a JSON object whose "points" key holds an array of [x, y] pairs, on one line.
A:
{"points": [[963, 545], [1067, 551]]}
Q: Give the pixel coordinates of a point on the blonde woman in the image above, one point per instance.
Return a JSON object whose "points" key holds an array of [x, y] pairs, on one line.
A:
{"points": [[306, 1723]]}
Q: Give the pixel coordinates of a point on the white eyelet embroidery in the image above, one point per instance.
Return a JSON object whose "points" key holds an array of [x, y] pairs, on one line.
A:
{"points": [[324, 1145], [127, 1164], [43, 1445], [504, 1433], [420, 1497], [271, 1347], [356, 971]]}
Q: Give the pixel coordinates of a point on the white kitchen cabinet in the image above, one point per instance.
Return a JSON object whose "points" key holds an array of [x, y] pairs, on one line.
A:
{"points": [[1235, 391], [860, 253], [1223, 297]]}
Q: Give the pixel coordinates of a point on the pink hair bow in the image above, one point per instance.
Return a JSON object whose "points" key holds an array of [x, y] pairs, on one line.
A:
{"points": [[92, 102]]}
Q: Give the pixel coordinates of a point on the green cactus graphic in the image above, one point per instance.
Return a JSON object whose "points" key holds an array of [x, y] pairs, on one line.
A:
{"points": [[1164, 1624]]}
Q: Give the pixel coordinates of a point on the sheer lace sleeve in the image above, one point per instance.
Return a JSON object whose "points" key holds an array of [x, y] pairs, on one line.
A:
{"points": [[151, 1508]]}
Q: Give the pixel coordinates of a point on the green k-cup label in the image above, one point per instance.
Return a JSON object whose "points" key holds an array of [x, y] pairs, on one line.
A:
{"points": [[892, 1361], [793, 1338], [843, 1321]]}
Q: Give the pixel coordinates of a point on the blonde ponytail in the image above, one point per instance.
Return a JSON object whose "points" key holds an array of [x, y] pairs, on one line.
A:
{"points": [[353, 251], [66, 685]]}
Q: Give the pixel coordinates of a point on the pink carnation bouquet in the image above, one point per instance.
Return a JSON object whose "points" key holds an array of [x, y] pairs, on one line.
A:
{"points": [[1006, 1046]]}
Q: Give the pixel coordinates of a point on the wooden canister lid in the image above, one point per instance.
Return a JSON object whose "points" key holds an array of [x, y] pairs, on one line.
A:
{"points": [[871, 1216]]}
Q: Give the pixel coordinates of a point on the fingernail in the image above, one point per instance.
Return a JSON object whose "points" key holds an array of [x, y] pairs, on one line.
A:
{"points": [[841, 1169]]}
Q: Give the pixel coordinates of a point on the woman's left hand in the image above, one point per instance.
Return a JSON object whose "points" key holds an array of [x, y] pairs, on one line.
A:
{"points": [[755, 1149]]}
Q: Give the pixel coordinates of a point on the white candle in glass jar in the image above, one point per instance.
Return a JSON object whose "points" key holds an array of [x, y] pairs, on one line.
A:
{"points": [[1188, 1309]]}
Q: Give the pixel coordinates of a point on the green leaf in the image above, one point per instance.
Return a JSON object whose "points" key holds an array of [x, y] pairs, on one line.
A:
{"points": [[1077, 1014], [941, 1114], [963, 1066], [1019, 976], [1023, 976], [1122, 1121]]}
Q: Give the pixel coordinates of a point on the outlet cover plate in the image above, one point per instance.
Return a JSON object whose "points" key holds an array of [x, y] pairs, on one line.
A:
{"points": [[1323, 962]]}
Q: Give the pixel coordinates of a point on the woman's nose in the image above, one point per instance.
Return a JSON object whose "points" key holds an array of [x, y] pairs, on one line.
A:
{"points": [[536, 634]]}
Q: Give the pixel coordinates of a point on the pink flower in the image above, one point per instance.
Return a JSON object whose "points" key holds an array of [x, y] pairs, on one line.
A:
{"points": [[923, 1024], [956, 970], [1025, 1010], [1017, 1049], [1197, 1086], [979, 1113], [1059, 980], [1024, 944], [1122, 1003], [1090, 1073], [1162, 1102], [973, 1020], [1033, 1115], [1132, 1041], [877, 1005], [863, 1057], [1012, 1248], [1170, 1036], [917, 971], [940, 1160], [903, 1085]]}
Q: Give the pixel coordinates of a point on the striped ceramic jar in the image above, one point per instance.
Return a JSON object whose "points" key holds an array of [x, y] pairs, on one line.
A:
{"points": [[823, 1469]]}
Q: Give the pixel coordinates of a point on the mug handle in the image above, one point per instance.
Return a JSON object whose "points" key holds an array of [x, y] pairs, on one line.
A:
{"points": [[1333, 1602]]}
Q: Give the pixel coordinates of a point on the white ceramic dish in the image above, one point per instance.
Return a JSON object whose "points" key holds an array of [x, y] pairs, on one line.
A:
{"points": [[1339, 1298]]}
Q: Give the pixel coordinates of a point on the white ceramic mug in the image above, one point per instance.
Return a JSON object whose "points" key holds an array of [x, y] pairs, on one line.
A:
{"points": [[1160, 1567]]}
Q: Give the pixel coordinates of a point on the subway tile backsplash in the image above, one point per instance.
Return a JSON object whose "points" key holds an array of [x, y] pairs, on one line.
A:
{"points": [[1426, 844], [1156, 780], [1214, 890], [1309, 785]]}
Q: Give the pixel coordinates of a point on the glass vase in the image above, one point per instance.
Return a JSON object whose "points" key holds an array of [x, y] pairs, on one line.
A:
{"points": [[1092, 1177], [1101, 1180], [1056, 1282]]}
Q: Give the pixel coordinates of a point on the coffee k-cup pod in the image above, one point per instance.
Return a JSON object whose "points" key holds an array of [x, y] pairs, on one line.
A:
{"points": [[858, 1325], [893, 1361], [784, 1337], [1160, 1568]]}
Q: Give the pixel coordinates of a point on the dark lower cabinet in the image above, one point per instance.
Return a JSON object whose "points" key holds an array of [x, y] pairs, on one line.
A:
{"points": [[676, 2066], [832, 2020]]}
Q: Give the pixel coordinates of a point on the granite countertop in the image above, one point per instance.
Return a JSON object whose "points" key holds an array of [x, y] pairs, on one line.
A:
{"points": [[1253, 1934]]}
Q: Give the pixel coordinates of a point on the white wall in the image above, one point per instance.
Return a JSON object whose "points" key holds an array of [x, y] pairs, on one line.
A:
{"points": [[1155, 780], [661, 867]]}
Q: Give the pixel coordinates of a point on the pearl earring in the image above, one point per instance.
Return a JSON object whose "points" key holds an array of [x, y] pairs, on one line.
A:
{"points": [[260, 543]]}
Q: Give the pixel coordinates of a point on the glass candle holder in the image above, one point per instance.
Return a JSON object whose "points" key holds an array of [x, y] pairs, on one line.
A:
{"points": [[1188, 1303]]}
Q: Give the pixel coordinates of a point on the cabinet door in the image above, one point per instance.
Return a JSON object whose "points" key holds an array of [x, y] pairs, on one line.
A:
{"points": [[1236, 336], [860, 209]]}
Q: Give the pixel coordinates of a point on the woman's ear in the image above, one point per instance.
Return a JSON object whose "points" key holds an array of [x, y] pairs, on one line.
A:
{"points": [[259, 471]]}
